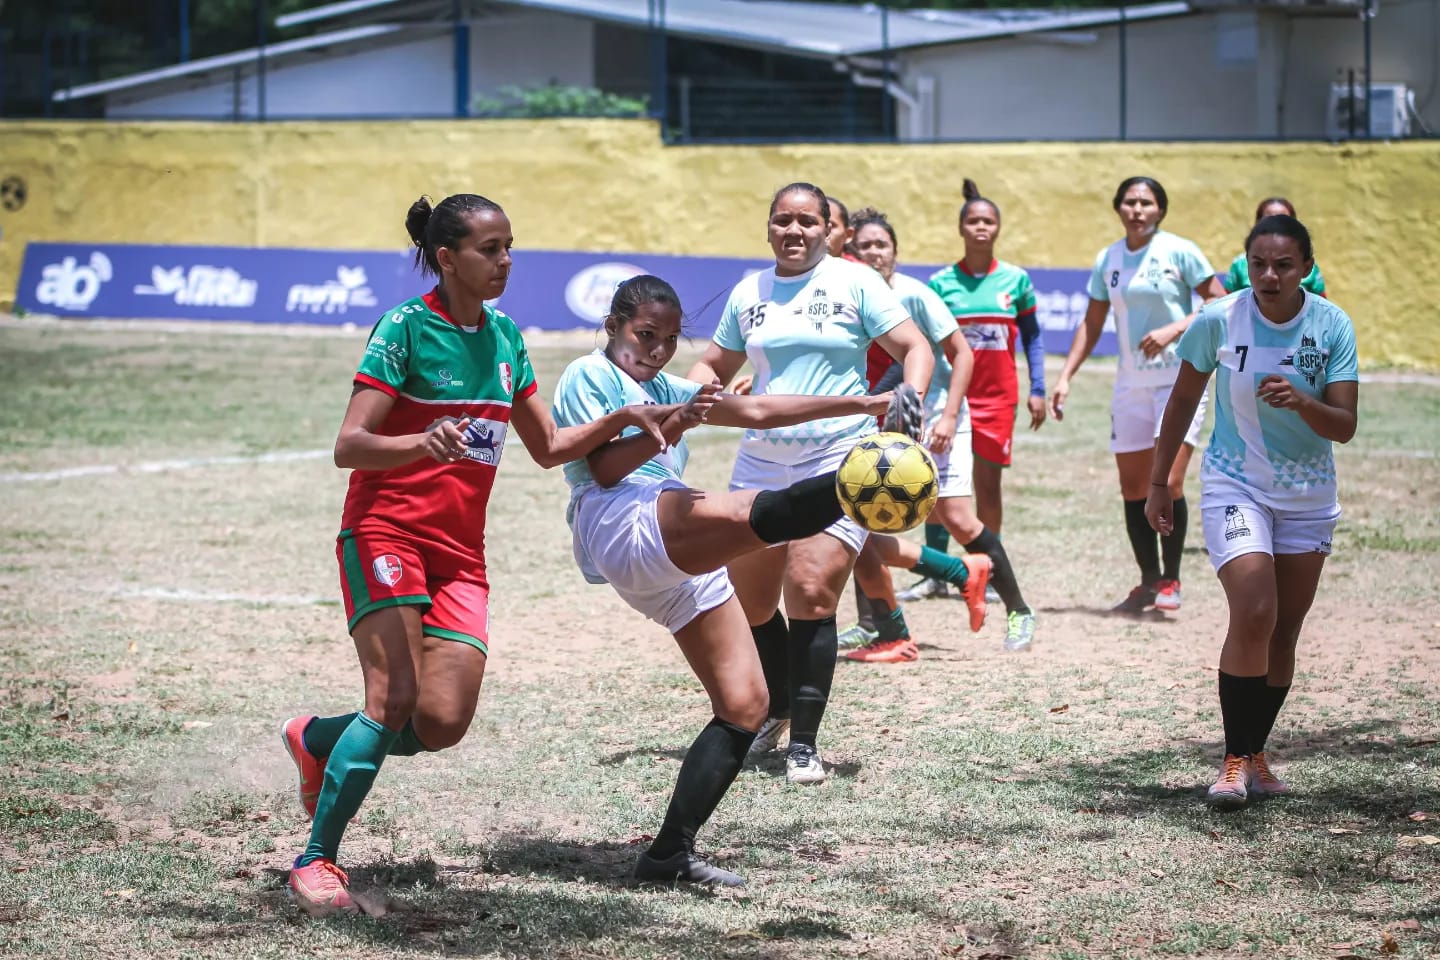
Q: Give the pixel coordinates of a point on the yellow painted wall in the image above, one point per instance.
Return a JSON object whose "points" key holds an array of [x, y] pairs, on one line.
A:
{"points": [[610, 185]]}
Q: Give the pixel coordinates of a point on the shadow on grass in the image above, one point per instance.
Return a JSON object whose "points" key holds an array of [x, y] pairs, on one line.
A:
{"points": [[1106, 613]]}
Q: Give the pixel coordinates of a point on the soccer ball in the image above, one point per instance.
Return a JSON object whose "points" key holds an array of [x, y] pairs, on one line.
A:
{"points": [[887, 483]]}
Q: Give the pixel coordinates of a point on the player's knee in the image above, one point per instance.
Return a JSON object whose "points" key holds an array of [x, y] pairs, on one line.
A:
{"points": [[1254, 619], [745, 709], [442, 734], [392, 706], [812, 601]]}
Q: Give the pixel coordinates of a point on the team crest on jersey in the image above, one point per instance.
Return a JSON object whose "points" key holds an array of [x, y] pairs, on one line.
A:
{"points": [[507, 377], [1235, 525], [388, 569], [1004, 299], [1308, 361]]}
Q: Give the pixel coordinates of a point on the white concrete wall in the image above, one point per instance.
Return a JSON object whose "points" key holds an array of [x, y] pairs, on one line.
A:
{"points": [[531, 49], [1229, 74]]}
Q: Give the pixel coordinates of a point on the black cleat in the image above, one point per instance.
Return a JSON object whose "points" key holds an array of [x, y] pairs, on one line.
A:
{"points": [[906, 414], [684, 868]]}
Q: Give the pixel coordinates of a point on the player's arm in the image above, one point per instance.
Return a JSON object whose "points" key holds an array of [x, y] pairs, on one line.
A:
{"points": [[906, 343], [1087, 334], [1155, 341], [1332, 415], [359, 447], [783, 410], [616, 460], [962, 365], [716, 363], [1179, 413], [551, 446]]}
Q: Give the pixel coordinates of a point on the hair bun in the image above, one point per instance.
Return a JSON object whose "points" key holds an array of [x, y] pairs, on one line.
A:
{"points": [[969, 190], [417, 218]]}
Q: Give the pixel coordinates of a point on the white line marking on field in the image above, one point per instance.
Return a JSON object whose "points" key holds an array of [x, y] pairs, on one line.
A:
{"points": [[203, 596], [161, 466]]}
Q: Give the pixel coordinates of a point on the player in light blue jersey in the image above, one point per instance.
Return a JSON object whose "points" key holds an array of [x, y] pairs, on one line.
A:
{"points": [[947, 434], [1286, 388], [1147, 279], [663, 546], [805, 327]]}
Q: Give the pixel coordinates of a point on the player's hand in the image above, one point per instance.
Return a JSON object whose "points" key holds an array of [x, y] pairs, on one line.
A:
{"points": [[741, 385], [1154, 343], [877, 403], [1058, 397], [445, 439], [1037, 411], [693, 412], [942, 435], [650, 418], [1159, 510], [1281, 393]]}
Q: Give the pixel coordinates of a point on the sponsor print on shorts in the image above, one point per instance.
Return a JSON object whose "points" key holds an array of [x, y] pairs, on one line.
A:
{"points": [[1235, 526], [388, 569]]}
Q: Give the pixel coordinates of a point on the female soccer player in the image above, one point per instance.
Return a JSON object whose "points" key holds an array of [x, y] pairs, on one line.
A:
{"points": [[1286, 387], [1239, 276], [663, 546], [839, 239], [993, 301], [1147, 278], [442, 380], [947, 434], [805, 327]]}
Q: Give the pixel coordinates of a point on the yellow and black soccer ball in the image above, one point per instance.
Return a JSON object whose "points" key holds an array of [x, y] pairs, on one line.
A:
{"points": [[887, 483]]}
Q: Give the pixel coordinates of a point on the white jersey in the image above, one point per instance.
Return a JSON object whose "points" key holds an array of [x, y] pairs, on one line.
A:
{"points": [[1271, 455], [1148, 289], [937, 323], [808, 335]]}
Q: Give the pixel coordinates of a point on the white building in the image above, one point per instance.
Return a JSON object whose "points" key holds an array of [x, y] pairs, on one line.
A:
{"points": [[1210, 69]]}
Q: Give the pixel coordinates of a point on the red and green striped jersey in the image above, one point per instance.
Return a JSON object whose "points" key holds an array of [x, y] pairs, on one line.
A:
{"points": [[435, 367], [988, 308]]}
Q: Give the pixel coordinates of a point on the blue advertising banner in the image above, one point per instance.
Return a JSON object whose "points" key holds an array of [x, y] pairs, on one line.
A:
{"points": [[547, 290]]}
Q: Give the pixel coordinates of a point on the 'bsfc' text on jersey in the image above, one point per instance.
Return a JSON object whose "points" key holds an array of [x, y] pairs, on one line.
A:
{"points": [[434, 367], [808, 334]]}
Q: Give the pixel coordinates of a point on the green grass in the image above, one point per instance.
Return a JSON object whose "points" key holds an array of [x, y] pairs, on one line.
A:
{"points": [[1040, 806]]}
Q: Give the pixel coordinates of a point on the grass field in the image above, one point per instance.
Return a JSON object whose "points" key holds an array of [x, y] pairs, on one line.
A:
{"points": [[156, 625]]}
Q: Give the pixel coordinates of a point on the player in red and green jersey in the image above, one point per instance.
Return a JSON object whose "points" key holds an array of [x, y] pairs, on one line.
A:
{"points": [[443, 378], [1239, 276], [993, 302]]}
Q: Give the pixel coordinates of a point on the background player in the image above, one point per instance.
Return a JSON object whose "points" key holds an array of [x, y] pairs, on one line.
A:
{"points": [[1147, 279], [1239, 276], [412, 540], [1286, 387], [805, 327]]}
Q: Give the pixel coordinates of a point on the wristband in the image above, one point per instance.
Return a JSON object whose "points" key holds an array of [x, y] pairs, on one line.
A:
{"points": [[1156, 483]]}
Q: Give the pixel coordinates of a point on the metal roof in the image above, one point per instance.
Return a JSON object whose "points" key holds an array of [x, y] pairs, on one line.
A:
{"points": [[791, 26], [225, 61], [784, 26]]}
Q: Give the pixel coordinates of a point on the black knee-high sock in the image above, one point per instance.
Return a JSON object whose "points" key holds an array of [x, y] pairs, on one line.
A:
{"points": [[1269, 709], [1240, 703], [772, 641], [1173, 546], [864, 607], [1001, 573], [1143, 541], [710, 767], [801, 510], [812, 669]]}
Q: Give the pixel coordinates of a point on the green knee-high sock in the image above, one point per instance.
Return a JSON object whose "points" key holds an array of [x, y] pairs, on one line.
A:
{"points": [[937, 538], [322, 733], [407, 744], [941, 566], [349, 773]]}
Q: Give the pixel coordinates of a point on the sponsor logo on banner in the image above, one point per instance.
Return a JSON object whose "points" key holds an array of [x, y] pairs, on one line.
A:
{"points": [[388, 569], [589, 292], [350, 288], [200, 286], [72, 285]]}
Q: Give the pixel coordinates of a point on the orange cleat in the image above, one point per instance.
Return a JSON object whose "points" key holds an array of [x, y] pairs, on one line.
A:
{"points": [[978, 578], [886, 651], [1167, 595], [320, 889], [311, 767], [1228, 792], [1262, 780]]}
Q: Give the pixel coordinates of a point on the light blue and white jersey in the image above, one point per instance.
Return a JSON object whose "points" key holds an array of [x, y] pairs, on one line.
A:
{"points": [[937, 323], [808, 335], [592, 386], [1272, 455], [1148, 289]]}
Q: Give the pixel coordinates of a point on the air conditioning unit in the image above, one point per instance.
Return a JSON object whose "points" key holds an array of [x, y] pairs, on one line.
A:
{"points": [[1394, 106]]}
